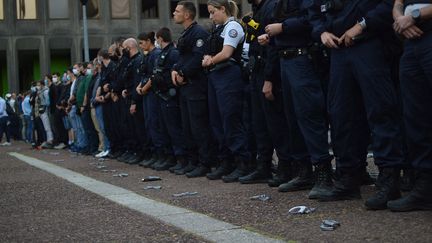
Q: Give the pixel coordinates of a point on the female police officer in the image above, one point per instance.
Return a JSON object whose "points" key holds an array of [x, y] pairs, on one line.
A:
{"points": [[222, 60]]}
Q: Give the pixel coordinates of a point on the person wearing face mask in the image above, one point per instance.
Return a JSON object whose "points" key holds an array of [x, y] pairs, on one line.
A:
{"points": [[151, 103], [225, 96], [61, 107], [83, 105], [60, 133], [137, 140], [43, 102]]}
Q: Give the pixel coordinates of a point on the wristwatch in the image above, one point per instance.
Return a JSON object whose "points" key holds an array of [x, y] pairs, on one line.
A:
{"points": [[416, 15], [362, 23]]}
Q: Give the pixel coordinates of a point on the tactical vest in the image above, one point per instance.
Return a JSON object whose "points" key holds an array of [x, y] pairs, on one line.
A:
{"points": [[216, 43], [182, 46]]}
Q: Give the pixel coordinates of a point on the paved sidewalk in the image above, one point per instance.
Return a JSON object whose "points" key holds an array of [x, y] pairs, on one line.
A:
{"points": [[231, 203]]}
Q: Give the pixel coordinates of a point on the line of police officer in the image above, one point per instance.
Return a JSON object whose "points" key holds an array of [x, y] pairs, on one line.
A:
{"points": [[183, 107]]}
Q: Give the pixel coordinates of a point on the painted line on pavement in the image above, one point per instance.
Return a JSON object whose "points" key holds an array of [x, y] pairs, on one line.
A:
{"points": [[187, 220]]}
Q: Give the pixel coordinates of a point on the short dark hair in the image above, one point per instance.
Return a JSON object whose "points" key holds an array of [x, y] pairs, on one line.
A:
{"points": [[147, 36], [165, 34], [104, 54], [41, 82], [49, 76], [189, 7]]}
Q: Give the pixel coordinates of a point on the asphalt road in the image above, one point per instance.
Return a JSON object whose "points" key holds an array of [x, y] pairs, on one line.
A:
{"points": [[40, 207]]}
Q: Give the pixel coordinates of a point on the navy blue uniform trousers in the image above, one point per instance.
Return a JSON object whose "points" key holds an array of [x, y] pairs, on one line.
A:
{"points": [[360, 80], [416, 88]]}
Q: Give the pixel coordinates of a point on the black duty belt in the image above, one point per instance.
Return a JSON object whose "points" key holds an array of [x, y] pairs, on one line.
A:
{"points": [[221, 65], [293, 52]]}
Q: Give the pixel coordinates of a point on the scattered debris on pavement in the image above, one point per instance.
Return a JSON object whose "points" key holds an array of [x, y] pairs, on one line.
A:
{"points": [[121, 175], [262, 197], [329, 225], [106, 171], [101, 166], [301, 210], [59, 160], [184, 194], [54, 153], [152, 187], [151, 178]]}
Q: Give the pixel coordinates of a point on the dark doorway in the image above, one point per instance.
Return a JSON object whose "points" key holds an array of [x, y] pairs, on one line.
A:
{"points": [[28, 68]]}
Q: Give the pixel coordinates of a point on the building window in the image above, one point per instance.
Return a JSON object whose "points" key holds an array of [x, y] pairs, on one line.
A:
{"points": [[26, 9], [202, 9], [1, 10], [149, 9], [120, 9], [92, 9], [58, 9]]}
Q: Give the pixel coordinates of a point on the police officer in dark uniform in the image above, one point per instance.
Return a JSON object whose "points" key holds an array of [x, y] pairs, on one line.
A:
{"points": [[413, 20], [189, 75], [360, 79], [138, 142], [151, 103], [226, 87], [302, 84], [268, 119], [163, 87]]}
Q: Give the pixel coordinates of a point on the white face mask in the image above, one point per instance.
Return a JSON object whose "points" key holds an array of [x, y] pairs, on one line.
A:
{"points": [[55, 79], [89, 72], [75, 71]]}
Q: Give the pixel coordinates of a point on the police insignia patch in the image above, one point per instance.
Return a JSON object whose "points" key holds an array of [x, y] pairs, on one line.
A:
{"points": [[199, 43], [233, 33]]}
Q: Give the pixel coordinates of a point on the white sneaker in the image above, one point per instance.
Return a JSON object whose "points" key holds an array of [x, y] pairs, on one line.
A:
{"points": [[99, 155], [105, 153], [6, 144], [60, 146]]}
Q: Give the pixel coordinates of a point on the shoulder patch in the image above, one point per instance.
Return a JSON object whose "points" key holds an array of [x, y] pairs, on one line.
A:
{"points": [[199, 43], [233, 33]]}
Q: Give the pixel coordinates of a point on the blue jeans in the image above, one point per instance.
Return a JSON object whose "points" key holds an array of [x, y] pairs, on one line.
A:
{"points": [[100, 120], [28, 126], [77, 126]]}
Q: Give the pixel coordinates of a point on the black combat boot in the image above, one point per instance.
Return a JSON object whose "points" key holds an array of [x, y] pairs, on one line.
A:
{"points": [[261, 175], [199, 171], [407, 181], [303, 181], [224, 168], [147, 163], [161, 160], [283, 174], [146, 157], [181, 163], [323, 180], [241, 170], [168, 163], [389, 189], [346, 187], [124, 156], [420, 197], [191, 165]]}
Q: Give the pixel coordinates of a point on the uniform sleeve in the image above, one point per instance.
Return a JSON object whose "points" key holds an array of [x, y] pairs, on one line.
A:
{"points": [[233, 34], [316, 19], [193, 64], [381, 18], [271, 68], [297, 23]]}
